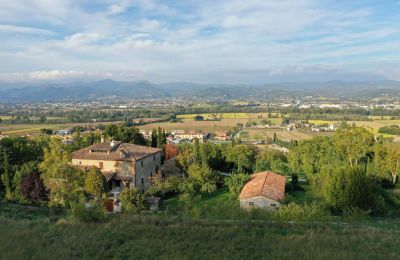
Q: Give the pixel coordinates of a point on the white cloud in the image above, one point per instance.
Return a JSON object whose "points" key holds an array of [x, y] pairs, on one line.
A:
{"points": [[22, 29], [201, 40]]}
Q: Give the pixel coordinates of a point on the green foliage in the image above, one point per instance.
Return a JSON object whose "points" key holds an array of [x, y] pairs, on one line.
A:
{"points": [[348, 189], [387, 160], [90, 213], [185, 157], [242, 156], [95, 183], [301, 212], [353, 144], [7, 176], [63, 180], [236, 182], [272, 160], [162, 187], [154, 138], [391, 130], [123, 133], [310, 156], [198, 118], [203, 177], [132, 200]]}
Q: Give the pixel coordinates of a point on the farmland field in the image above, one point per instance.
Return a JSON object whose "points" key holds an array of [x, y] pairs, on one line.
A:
{"points": [[258, 134], [227, 115], [35, 118], [190, 124]]}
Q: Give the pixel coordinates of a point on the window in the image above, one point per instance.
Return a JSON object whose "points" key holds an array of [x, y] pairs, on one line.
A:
{"points": [[101, 165], [273, 205], [142, 181], [117, 183], [141, 163], [251, 203], [80, 162], [154, 157]]}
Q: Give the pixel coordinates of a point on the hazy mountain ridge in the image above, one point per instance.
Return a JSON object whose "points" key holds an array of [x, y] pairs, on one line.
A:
{"points": [[28, 92]]}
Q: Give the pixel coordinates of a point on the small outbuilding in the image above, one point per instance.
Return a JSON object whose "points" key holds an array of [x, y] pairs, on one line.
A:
{"points": [[265, 190]]}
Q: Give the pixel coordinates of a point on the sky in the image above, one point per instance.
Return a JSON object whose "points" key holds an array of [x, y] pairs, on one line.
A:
{"points": [[208, 41]]}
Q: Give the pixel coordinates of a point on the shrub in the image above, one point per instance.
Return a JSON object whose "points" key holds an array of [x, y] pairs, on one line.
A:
{"points": [[293, 211], [95, 182], [93, 213], [32, 187], [132, 200], [236, 182], [348, 189]]}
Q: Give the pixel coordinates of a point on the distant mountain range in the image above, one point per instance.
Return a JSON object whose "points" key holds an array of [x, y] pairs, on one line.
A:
{"points": [[78, 91]]}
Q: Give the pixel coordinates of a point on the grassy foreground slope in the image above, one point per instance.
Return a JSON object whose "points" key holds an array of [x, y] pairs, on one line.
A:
{"points": [[38, 235]]}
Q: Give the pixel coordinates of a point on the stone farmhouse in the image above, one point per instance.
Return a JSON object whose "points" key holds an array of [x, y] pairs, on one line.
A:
{"points": [[265, 190], [123, 164]]}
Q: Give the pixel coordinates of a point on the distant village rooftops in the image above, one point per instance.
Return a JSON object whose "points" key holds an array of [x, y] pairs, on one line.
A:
{"points": [[114, 151], [266, 184]]}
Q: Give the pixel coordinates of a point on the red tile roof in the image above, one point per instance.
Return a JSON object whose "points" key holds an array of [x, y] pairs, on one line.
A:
{"points": [[117, 151], [267, 184]]}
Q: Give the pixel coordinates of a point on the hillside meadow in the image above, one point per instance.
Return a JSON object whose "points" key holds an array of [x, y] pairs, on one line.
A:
{"points": [[28, 233]]}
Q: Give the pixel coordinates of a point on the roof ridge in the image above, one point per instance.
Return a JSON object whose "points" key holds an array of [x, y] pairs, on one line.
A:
{"points": [[265, 180]]}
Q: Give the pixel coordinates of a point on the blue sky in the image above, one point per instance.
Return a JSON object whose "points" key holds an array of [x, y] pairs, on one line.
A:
{"points": [[232, 41]]}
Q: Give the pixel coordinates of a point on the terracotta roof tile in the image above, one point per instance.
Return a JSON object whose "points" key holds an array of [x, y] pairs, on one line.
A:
{"points": [[267, 184], [115, 151]]}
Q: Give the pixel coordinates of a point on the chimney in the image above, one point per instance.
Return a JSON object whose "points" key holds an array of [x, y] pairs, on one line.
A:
{"points": [[102, 138]]}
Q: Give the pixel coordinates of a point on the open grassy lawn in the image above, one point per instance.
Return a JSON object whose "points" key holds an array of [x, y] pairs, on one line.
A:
{"points": [[26, 234]]}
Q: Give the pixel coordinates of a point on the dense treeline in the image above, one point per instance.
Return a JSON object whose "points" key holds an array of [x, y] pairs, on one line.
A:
{"points": [[22, 116], [348, 171]]}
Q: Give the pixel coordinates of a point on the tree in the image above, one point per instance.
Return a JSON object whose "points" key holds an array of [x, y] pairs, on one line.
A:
{"points": [[311, 156], [387, 160], [7, 176], [64, 181], [32, 188], [348, 189], [95, 183], [45, 131], [272, 160], [154, 138], [42, 118], [353, 144], [236, 182], [202, 177], [132, 200], [198, 118], [275, 138], [123, 133], [196, 152], [242, 156], [185, 157], [160, 138], [171, 151]]}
